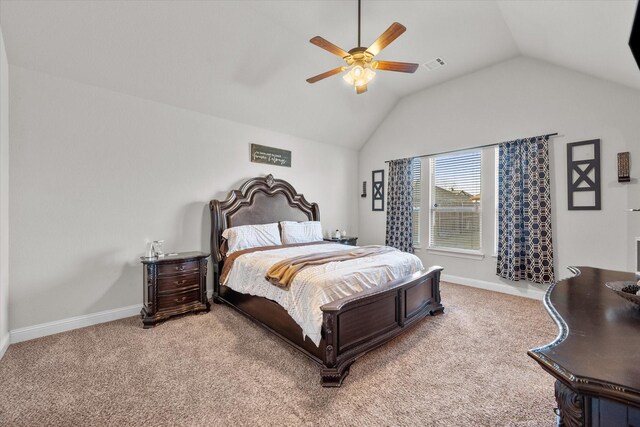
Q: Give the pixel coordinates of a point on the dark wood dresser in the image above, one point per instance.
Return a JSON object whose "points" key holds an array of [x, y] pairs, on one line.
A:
{"points": [[596, 356], [174, 285]]}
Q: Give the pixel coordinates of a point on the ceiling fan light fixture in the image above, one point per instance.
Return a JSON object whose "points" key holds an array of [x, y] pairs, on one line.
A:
{"points": [[348, 78], [359, 75]]}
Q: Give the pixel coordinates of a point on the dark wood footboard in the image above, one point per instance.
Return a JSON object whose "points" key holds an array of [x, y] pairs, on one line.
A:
{"points": [[354, 325]]}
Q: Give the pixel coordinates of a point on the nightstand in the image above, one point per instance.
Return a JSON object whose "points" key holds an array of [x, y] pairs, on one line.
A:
{"points": [[346, 240], [174, 285]]}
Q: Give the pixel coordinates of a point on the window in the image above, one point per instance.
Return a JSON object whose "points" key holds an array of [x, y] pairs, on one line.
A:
{"points": [[454, 209], [416, 164]]}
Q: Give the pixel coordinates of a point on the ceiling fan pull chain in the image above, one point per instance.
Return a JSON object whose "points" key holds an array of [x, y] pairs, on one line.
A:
{"points": [[359, 22]]}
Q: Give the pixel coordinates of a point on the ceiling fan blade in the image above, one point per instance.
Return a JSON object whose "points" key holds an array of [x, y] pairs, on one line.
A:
{"points": [[392, 33], [328, 46], [361, 89], [325, 74], [403, 67]]}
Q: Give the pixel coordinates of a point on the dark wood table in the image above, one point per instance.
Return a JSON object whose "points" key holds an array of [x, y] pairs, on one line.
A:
{"points": [[174, 285], [596, 357]]}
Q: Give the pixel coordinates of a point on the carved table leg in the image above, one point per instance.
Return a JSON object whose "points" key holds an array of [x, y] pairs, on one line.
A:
{"points": [[571, 406]]}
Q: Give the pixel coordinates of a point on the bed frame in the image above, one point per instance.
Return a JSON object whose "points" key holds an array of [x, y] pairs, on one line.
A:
{"points": [[353, 325]]}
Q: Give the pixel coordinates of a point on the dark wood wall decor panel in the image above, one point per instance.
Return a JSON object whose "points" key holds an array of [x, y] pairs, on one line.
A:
{"points": [[583, 175], [377, 190]]}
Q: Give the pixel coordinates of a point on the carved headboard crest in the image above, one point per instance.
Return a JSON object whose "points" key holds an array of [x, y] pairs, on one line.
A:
{"points": [[270, 180], [258, 201]]}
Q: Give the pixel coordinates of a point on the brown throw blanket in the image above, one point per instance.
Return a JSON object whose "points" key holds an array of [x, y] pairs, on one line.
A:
{"points": [[282, 273]]}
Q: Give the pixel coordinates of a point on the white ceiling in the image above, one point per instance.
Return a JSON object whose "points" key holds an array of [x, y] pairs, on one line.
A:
{"points": [[248, 60]]}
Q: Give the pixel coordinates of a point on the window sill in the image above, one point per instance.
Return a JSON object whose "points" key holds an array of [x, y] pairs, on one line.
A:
{"points": [[457, 253]]}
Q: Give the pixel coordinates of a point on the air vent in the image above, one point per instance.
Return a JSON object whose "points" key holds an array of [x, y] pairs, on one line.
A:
{"points": [[435, 63]]}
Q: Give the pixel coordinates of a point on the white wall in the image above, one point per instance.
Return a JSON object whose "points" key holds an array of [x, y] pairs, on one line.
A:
{"points": [[519, 98], [96, 174], [4, 198]]}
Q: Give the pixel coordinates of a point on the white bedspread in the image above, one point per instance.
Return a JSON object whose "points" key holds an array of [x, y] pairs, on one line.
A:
{"points": [[317, 285]]}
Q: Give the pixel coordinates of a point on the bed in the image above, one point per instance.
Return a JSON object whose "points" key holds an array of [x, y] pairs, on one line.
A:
{"points": [[352, 325]]}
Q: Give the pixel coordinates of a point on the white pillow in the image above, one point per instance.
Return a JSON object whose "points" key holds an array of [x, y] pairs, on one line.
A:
{"points": [[251, 236], [301, 232]]}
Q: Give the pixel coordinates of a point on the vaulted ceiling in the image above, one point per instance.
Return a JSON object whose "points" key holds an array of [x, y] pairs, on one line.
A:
{"points": [[247, 61]]}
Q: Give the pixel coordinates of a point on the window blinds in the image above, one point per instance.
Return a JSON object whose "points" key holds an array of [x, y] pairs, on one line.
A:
{"points": [[454, 210]]}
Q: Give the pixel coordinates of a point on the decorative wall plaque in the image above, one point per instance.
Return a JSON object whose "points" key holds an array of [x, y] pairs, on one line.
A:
{"points": [[623, 167], [377, 190], [270, 155], [583, 175]]}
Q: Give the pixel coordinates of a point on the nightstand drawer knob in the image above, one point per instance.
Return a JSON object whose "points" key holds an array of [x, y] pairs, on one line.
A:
{"points": [[181, 299], [181, 282], [180, 268]]}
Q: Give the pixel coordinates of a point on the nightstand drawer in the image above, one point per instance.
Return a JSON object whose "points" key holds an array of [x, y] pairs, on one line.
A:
{"points": [[178, 283], [178, 268], [171, 301]]}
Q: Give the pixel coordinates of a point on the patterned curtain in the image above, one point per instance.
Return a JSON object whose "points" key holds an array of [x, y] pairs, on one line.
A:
{"points": [[400, 205], [525, 249]]}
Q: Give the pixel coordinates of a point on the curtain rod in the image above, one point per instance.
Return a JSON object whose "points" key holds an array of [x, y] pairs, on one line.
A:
{"points": [[470, 148]]}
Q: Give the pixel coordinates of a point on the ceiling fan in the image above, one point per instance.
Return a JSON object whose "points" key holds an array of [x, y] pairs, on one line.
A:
{"points": [[360, 61]]}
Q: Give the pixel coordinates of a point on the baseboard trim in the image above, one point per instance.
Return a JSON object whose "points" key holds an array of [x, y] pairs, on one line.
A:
{"points": [[4, 345], [527, 292], [57, 326], [64, 325]]}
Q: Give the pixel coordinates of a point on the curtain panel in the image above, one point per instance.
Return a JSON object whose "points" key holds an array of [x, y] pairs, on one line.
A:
{"points": [[400, 205], [525, 248]]}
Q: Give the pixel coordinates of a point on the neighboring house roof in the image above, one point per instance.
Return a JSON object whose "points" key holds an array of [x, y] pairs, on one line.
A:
{"points": [[455, 198]]}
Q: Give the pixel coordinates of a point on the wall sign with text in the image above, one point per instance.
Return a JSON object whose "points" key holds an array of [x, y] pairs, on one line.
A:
{"points": [[270, 155]]}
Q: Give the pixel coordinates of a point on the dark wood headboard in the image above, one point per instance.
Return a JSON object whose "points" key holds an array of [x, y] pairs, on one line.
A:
{"points": [[258, 201]]}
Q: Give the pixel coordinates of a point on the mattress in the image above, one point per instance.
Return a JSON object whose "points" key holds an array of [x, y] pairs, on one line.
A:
{"points": [[317, 285]]}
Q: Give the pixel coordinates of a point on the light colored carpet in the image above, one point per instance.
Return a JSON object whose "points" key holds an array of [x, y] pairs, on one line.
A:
{"points": [[466, 367]]}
